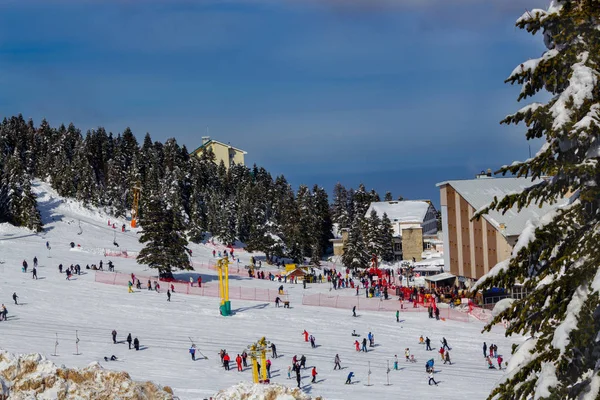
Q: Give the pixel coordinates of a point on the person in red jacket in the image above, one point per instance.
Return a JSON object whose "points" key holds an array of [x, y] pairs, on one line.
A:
{"points": [[199, 281], [499, 362], [226, 359], [357, 344], [238, 361], [305, 335], [314, 374]]}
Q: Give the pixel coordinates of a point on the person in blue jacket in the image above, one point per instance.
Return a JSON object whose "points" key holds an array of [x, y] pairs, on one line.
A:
{"points": [[349, 380], [193, 352]]}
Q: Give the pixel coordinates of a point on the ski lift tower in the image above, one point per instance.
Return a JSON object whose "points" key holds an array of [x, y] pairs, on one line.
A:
{"points": [[256, 350], [137, 190], [223, 268]]}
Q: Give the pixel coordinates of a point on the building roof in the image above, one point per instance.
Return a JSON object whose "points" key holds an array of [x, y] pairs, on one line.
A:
{"points": [[401, 210], [440, 277], [216, 141], [479, 193]]}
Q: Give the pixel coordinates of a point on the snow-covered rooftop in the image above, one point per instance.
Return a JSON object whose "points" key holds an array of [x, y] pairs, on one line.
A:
{"points": [[401, 211], [479, 193]]}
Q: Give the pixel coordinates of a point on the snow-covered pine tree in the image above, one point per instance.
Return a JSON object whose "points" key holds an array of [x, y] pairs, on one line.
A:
{"points": [[386, 239], [355, 253], [163, 235], [558, 259], [339, 209], [370, 233], [388, 196]]}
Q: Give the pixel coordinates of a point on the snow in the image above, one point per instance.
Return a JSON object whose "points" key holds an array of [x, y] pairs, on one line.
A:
{"points": [[581, 87], [502, 306], [53, 307], [401, 211], [546, 380]]}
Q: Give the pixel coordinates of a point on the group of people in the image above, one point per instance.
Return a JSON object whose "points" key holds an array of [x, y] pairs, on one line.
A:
{"points": [[492, 354], [135, 342]]}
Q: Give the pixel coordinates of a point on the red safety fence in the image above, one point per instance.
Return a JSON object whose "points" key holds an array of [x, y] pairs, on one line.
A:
{"points": [[378, 304], [120, 253], [210, 289]]}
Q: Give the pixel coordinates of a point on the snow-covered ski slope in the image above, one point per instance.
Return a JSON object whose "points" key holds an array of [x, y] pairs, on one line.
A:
{"points": [[52, 307]]}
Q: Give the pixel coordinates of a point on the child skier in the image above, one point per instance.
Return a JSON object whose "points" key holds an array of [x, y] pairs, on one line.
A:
{"points": [[396, 362], [349, 379], [314, 375]]}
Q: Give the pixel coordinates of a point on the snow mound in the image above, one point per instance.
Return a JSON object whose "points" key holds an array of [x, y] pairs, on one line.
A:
{"points": [[32, 376], [250, 391], [501, 306]]}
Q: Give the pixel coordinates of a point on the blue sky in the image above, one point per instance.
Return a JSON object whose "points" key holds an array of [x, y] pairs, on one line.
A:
{"points": [[396, 94]]}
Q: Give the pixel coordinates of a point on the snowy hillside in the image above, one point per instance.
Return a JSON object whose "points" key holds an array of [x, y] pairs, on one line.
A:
{"points": [[54, 310]]}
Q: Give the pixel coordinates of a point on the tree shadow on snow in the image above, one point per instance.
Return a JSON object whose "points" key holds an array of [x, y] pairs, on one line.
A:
{"points": [[256, 307]]}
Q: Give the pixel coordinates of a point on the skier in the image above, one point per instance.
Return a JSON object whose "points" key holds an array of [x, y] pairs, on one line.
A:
{"points": [[445, 344], [431, 378], [244, 358], [289, 372], [199, 281], [35, 261], [60, 268], [191, 281], [484, 349], [396, 362], [138, 284], [364, 345], [303, 362], [336, 360], [130, 287], [274, 350], [172, 288], [193, 352], [357, 344], [447, 358], [314, 374], [269, 369], [149, 285], [312, 341], [168, 295], [277, 300], [370, 336], [114, 336], [428, 343], [354, 311], [24, 266], [441, 353], [407, 354], [226, 361], [3, 312], [421, 340], [129, 340], [112, 358], [238, 361], [305, 335], [15, 297], [298, 377], [499, 362], [48, 245], [349, 379], [136, 344], [397, 315], [34, 273]]}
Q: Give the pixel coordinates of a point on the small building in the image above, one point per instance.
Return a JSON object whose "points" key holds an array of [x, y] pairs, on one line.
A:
{"points": [[414, 222], [339, 242], [473, 247], [223, 152]]}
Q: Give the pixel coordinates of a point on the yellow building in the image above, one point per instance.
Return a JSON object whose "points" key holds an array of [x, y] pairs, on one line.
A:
{"points": [[223, 152]]}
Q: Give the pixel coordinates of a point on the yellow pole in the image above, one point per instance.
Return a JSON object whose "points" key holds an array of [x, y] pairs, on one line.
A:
{"points": [[263, 364], [226, 262], [219, 267], [254, 368]]}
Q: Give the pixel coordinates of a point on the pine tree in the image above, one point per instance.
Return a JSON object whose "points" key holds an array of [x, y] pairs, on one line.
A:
{"points": [[557, 260], [355, 252], [388, 196], [163, 235], [385, 239], [339, 209]]}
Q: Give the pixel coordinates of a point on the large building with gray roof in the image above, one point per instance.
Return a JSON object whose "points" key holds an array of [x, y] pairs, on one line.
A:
{"points": [[473, 247]]}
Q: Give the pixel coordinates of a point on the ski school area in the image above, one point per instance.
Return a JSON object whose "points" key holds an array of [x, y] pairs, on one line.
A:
{"points": [[71, 321]]}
